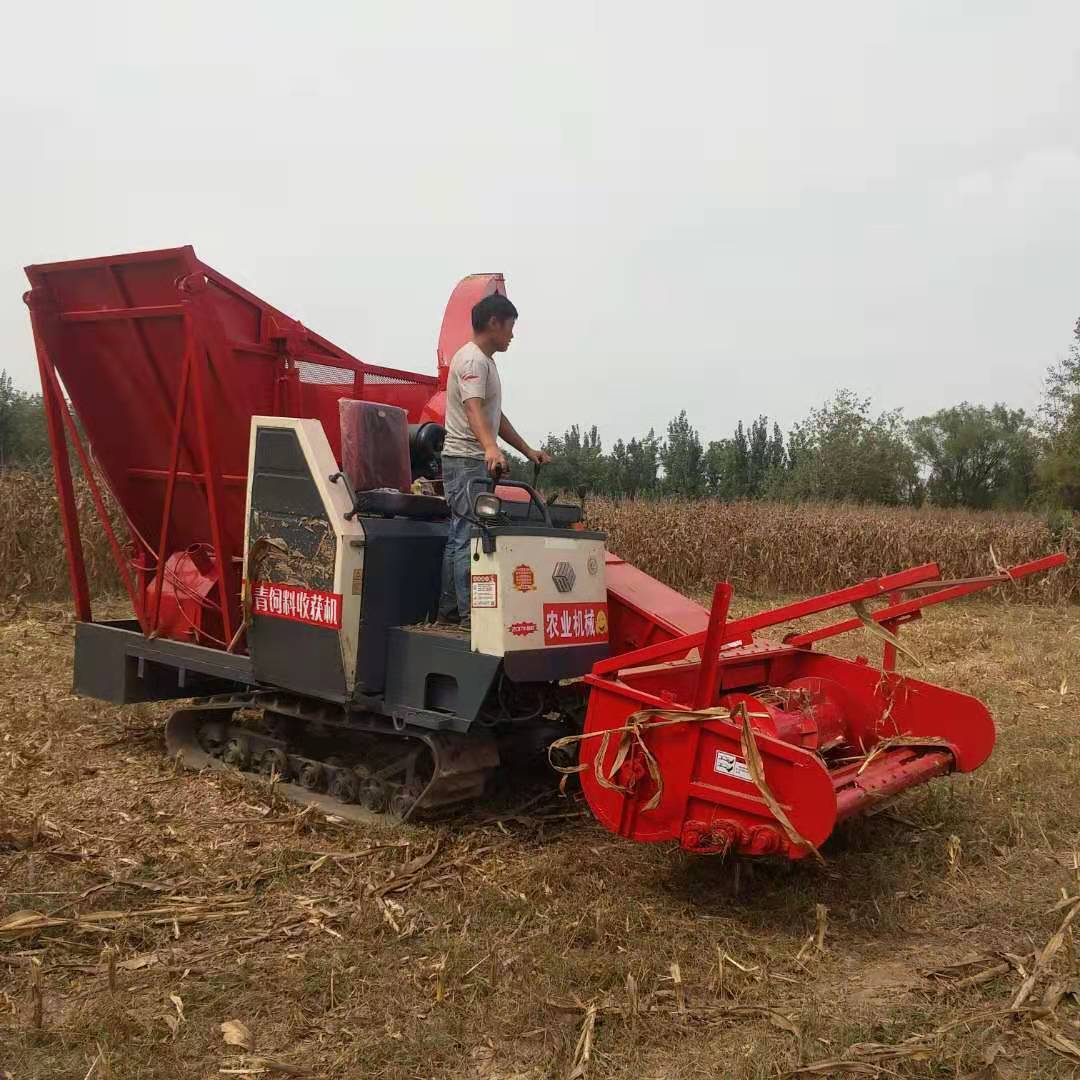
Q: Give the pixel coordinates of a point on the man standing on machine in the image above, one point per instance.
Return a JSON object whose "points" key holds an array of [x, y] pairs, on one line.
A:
{"points": [[474, 423]]}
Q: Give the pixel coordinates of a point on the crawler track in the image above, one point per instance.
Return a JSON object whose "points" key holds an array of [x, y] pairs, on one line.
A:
{"points": [[357, 765]]}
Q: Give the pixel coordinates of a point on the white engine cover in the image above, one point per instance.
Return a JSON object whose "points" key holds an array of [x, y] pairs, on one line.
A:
{"points": [[541, 589]]}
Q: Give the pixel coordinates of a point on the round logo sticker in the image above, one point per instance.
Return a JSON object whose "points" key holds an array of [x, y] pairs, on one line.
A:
{"points": [[593, 564], [601, 622], [524, 578]]}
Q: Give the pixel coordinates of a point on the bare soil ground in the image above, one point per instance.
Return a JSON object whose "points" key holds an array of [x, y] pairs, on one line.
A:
{"points": [[533, 944]]}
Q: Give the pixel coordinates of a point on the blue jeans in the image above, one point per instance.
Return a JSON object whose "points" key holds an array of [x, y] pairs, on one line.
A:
{"points": [[457, 472]]}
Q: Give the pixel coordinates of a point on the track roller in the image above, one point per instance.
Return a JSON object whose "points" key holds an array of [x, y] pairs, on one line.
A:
{"points": [[274, 762], [312, 776], [343, 786]]}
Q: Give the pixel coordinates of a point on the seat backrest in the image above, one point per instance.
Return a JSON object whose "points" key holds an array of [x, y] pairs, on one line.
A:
{"points": [[375, 445]]}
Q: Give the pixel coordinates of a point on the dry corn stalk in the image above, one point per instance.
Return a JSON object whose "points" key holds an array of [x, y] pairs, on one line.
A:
{"points": [[826, 546], [36, 996]]}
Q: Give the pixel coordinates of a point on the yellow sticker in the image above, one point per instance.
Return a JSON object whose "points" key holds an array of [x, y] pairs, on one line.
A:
{"points": [[524, 578]]}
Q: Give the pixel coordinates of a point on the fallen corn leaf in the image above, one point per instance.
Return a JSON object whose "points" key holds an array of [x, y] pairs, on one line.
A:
{"points": [[836, 1066], [1056, 1041], [236, 1033], [27, 922]]}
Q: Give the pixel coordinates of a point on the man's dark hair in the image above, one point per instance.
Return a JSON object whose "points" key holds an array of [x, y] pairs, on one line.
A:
{"points": [[495, 306]]}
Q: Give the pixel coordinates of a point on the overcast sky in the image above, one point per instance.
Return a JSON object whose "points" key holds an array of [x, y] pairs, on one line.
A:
{"points": [[724, 207]]}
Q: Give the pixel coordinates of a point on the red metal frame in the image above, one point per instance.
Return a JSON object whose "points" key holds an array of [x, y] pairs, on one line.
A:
{"points": [[99, 502], [208, 329], [896, 613], [69, 517], [164, 361], [643, 611], [892, 617], [742, 630], [170, 485], [715, 638]]}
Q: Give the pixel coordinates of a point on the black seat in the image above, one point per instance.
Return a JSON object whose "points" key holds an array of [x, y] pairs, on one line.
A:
{"points": [[389, 503]]}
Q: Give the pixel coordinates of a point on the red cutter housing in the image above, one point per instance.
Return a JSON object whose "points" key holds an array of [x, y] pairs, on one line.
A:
{"points": [[835, 737]]}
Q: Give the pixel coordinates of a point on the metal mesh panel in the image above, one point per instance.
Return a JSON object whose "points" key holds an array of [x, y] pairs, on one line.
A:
{"points": [[392, 380], [328, 375], [324, 374]]}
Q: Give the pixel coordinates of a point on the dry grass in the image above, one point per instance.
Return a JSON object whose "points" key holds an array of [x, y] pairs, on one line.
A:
{"points": [[537, 945], [762, 548], [768, 548]]}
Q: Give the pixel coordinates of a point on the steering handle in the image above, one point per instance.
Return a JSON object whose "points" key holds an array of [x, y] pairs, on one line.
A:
{"points": [[534, 496], [489, 483]]}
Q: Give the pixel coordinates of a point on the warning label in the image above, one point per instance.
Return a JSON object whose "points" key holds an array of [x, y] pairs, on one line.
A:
{"points": [[730, 765], [485, 591]]}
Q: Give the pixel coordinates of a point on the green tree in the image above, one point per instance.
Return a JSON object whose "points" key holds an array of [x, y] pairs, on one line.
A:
{"points": [[683, 459], [744, 466], [975, 456], [577, 461], [643, 465], [8, 403], [723, 479], [23, 437], [757, 466], [1059, 468], [775, 454], [737, 484], [842, 452], [618, 469]]}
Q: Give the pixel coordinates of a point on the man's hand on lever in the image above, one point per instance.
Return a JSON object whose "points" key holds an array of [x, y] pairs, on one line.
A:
{"points": [[508, 433], [495, 460]]}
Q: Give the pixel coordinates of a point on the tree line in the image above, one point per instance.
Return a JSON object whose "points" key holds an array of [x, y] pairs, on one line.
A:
{"points": [[23, 439], [966, 455], [963, 456]]}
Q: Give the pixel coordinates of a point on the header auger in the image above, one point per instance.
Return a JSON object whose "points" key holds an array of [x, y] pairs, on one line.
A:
{"points": [[283, 571]]}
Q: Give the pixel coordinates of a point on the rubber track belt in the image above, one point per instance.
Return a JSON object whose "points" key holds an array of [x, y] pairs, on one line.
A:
{"points": [[461, 762]]}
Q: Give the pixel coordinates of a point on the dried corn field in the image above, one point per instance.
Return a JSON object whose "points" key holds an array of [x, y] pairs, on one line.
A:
{"points": [[762, 548], [161, 923], [32, 558], [776, 548], [157, 923]]}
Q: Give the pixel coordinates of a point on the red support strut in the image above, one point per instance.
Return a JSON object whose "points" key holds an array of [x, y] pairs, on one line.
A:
{"points": [[714, 641], [69, 515]]}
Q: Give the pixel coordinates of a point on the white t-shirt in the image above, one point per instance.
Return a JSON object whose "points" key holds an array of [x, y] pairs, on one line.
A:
{"points": [[473, 374]]}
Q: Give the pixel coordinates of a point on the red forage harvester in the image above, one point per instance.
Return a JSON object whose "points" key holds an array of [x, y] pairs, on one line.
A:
{"points": [[161, 375]]}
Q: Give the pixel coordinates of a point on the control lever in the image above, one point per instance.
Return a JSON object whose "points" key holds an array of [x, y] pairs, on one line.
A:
{"points": [[529, 489], [334, 478]]}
